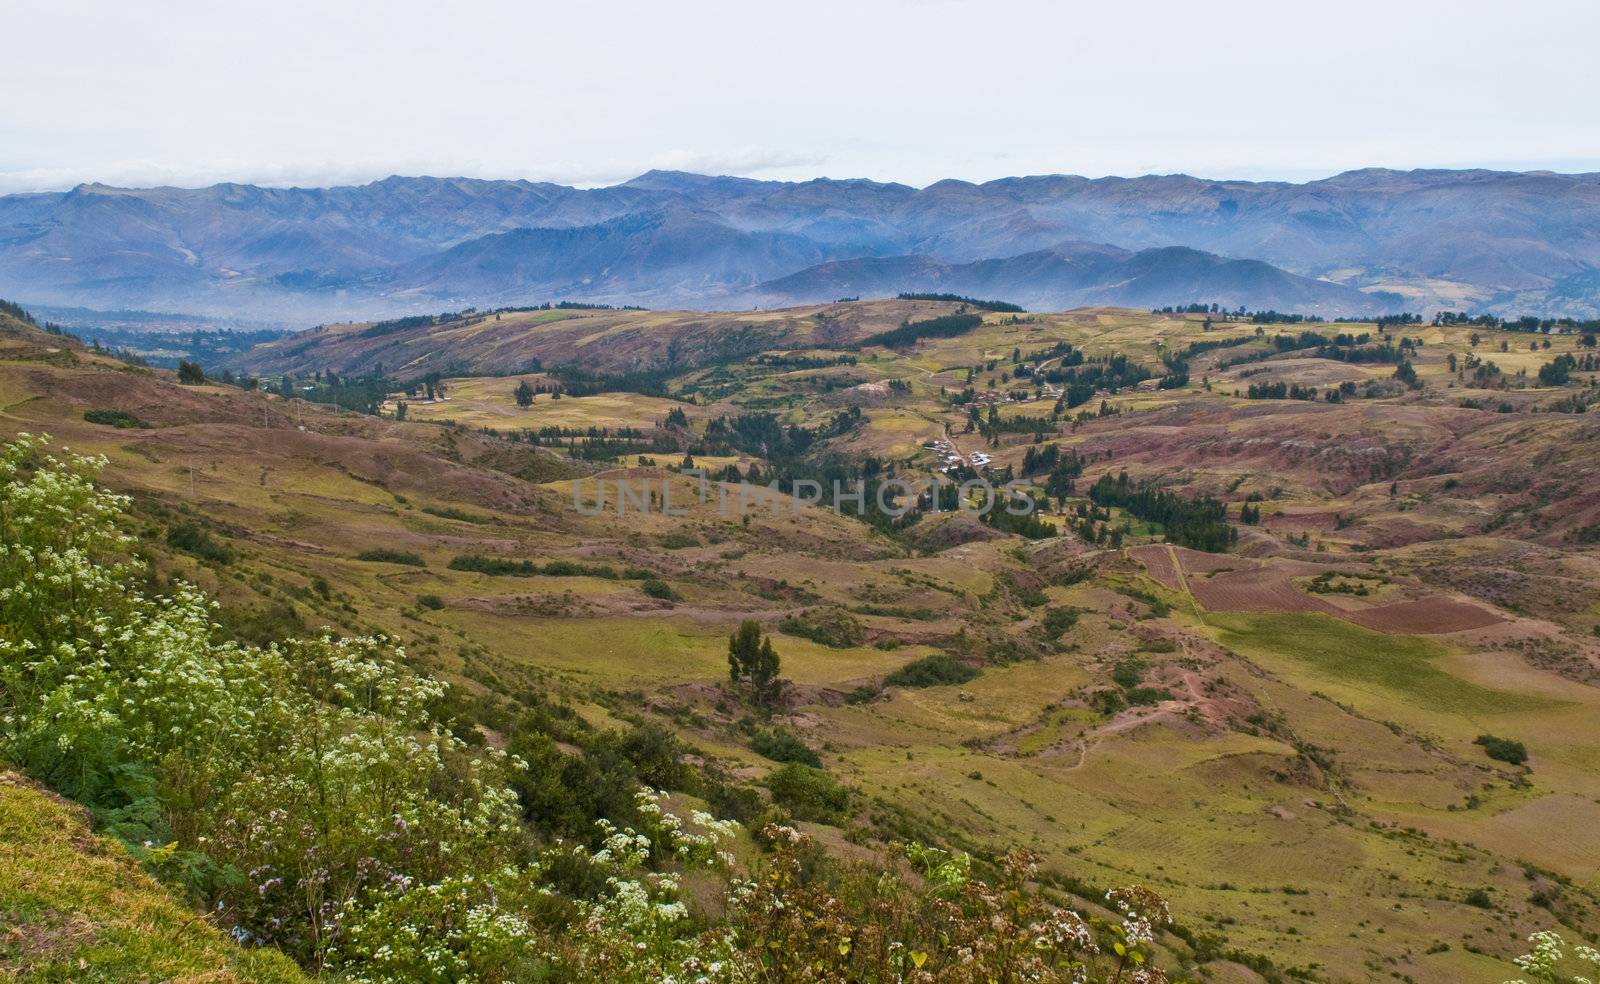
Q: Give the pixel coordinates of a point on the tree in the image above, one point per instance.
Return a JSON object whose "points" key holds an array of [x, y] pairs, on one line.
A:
{"points": [[524, 394], [751, 658], [190, 373]]}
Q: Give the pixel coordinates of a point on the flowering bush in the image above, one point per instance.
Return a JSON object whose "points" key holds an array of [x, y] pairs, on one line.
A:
{"points": [[871, 925], [1548, 958], [512, 926], [281, 782]]}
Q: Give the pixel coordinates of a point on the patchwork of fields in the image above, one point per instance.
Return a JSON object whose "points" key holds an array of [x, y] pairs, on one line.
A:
{"points": [[1280, 736]]}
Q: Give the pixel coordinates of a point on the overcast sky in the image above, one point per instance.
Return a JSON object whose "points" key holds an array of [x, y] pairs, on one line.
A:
{"points": [[292, 92]]}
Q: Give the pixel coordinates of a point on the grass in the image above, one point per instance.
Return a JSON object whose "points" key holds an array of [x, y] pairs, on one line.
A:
{"points": [[76, 907], [1406, 666]]}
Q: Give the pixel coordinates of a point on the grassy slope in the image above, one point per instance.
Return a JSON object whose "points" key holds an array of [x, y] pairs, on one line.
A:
{"points": [[76, 907]]}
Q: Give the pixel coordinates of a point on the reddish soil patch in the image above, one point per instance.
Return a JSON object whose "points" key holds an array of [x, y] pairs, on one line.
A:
{"points": [[1259, 590], [1157, 561], [1427, 616], [1197, 562]]}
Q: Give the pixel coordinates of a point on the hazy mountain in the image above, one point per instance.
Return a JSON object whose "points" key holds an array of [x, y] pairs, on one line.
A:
{"points": [[1078, 274], [1514, 242]]}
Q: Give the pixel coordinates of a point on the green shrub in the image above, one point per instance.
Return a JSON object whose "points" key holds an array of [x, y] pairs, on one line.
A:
{"points": [[1146, 696], [783, 745], [1128, 673], [383, 555], [1503, 749], [119, 419], [430, 601], [1057, 621], [460, 515], [808, 793], [1108, 702], [940, 669], [193, 539], [506, 567], [678, 540], [827, 627], [864, 694], [657, 588]]}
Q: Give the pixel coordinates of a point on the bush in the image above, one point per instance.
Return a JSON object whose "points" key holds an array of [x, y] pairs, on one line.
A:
{"points": [[1128, 673], [657, 588], [120, 419], [940, 669], [383, 555], [1479, 899], [506, 567], [808, 793], [1057, 621], [782, 745], [430, 601], [679, 540], [827, 627], [192, 539], [1503, 749], [864, 694]]}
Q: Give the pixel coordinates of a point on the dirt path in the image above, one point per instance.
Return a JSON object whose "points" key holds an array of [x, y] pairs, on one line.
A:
{"points": [[1183, 580]]}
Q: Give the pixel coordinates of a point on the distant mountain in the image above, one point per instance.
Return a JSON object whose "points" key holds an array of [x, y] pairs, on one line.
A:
{"points": [[1081, 274], [1507, 241], [674, 251]]}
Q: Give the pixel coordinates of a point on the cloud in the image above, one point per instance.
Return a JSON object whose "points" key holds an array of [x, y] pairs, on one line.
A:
{"points": [[749, 162]]}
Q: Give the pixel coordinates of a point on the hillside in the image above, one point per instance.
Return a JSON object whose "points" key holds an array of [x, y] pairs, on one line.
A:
{"points": [[602, 341], [75, 906], [1455, 240], [1279, 734]]}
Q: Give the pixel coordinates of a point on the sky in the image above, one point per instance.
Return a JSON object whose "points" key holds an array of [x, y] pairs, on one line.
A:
{"points": [[316, 93]]}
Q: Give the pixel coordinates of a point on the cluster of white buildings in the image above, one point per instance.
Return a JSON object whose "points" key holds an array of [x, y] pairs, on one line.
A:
{"points": [[952, 458]]}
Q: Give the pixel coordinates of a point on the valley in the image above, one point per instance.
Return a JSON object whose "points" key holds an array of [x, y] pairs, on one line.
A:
{"points": [[1283, 578]]}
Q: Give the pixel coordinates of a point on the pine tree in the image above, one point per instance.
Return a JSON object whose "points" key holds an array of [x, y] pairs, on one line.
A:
{"points": [[751, 658]]}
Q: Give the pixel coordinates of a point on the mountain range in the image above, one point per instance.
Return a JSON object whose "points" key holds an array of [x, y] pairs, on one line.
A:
{"points": [[1362, 242]]}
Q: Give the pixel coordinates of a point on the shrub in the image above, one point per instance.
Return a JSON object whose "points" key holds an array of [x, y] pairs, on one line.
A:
{"points": [[657, 588], [120, 419], [430, 601], [782, 745], [826, 626], [808, 793], [1128, 673], [940, 669], [864, 694], [1503, 749], [678, 540], [460, 515], [383, 555], [506, 567], [1057, 621], [1479, 898], [1146, 696], [192, 539]]}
